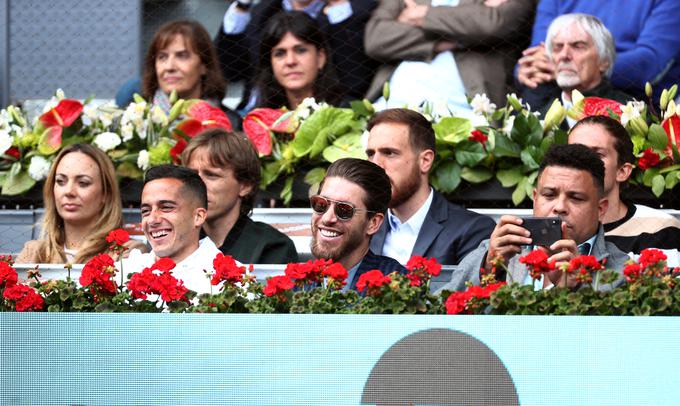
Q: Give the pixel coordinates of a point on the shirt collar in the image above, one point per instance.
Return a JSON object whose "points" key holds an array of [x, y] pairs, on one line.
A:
{"points": [[416, 220], [313, 9]]}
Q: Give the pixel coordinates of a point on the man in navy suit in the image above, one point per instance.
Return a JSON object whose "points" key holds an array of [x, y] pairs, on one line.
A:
{"points": [[347, 211], [420, 221]]}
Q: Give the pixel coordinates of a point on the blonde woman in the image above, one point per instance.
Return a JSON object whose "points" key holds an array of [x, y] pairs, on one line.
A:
{"points": [[82, 204]]}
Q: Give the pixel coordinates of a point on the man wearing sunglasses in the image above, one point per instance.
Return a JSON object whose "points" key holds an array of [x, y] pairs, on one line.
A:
{"points": [[348, 210], [420, 220]]}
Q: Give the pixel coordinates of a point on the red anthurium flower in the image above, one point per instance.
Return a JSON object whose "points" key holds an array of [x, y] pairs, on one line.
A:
{"points": [[13, 152], [258, 125], [63, 115], [672, 127], [595, 106], [176, 151], [201, 117]]}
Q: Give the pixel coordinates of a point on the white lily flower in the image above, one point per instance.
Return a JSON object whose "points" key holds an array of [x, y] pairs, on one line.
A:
{"points": [[38, 168], [143, 160], [127, 131], [482, 105], [631, 110], [107, 141], [5, 141], [158, 116]]}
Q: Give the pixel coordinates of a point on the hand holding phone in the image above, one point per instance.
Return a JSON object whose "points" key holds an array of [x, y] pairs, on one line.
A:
{"points": [[544, 230]]}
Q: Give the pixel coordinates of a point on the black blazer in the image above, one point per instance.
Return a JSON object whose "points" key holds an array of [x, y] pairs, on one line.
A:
{"points": [[448, 233]]}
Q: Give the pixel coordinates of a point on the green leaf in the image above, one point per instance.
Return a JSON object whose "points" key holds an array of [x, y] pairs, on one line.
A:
{"points": [[321, 128], [446, 177], [638, 144], [529, 157], [672, 179], [519, 194], [506, 147], [527, 130], [17, 181], [287, 192], [270, 172], [362, 108], [657, 137], [315, 176], [648, 175], [658, 185], [476, 175], [470, 153], [129, 170], [452, 130], [347, 146], [509, 177]]}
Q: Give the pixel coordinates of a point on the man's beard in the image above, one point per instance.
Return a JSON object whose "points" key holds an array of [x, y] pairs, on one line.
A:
{"points": [[351, 240], [567, 80], [401, 193]]}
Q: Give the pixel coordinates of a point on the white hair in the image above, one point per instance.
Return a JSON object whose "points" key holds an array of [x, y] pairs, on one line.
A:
{"points": [[602, 38]]}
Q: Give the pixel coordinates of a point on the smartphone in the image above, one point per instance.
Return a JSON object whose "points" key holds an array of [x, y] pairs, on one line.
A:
{"points": [[544, 230]]}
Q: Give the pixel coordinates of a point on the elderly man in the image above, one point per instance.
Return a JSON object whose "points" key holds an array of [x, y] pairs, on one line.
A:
{"points": [[174, 206], [570, 185], [582, 51], [420, 221], [228, 164], [348, 211], [631, 227], [646, 52]]}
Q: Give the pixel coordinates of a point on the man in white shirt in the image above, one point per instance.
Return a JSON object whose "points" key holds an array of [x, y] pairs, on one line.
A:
{"points": [[420, 221], [173, 207]]}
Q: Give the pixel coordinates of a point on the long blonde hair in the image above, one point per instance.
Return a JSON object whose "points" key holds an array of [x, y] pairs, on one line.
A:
{"points": [[110, 217]]}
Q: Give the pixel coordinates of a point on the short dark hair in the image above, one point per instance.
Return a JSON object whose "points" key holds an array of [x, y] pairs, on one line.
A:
{"points": [[420, 133], [232, 150], [575, 156], [622, 142], [198, 40], [368, 176], [190, 179], [327, 87]]}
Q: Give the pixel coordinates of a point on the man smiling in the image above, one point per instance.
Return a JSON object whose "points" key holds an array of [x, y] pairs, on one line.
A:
{"points": [[174, 206], [348, 210]]}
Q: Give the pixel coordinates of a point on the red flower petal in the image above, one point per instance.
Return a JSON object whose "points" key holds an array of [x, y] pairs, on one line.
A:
{"points": [[63, 115], [672, 127], [209, 116], [258, 133]]}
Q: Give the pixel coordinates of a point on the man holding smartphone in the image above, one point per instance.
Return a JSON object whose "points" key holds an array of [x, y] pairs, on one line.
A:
{"points": [[570, 186]]}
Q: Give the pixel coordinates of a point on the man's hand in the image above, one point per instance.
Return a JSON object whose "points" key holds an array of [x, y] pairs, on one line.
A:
{"points": [[413, 13], [561, 252], [535, 67], [507, 239]]}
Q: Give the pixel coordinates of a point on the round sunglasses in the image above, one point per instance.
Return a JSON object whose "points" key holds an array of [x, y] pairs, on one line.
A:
{"points": [[343, 210]]}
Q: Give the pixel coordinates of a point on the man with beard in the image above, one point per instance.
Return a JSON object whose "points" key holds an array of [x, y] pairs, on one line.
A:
{"points": [[348, 210], [583, 52], [420, 220]]}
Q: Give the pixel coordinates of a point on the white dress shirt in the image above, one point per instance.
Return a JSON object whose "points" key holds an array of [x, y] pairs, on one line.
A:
{"points": [[401, 237]]}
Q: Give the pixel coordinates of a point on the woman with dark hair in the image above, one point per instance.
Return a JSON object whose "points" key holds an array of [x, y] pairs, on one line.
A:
{"points": [[295, 63], [182, 58]]}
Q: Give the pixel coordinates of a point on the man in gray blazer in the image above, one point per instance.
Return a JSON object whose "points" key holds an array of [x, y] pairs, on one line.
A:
{"points": [[474, 44], [570, 185], [420, 221]]}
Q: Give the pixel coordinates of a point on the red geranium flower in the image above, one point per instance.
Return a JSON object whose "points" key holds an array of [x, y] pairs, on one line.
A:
{"points": [[649, 159], [161, 282], [336, 271], [632, 272], [278, 284], [460, 302], [8, 275], [25, 298], [651, 256], [226, 269], [98, 273], [537, 263], [164, 265], [478, 136], [118, 237], [372, 280]]}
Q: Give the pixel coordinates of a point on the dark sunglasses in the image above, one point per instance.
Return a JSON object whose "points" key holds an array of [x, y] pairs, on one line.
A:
{"points": [[343, 210]]}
